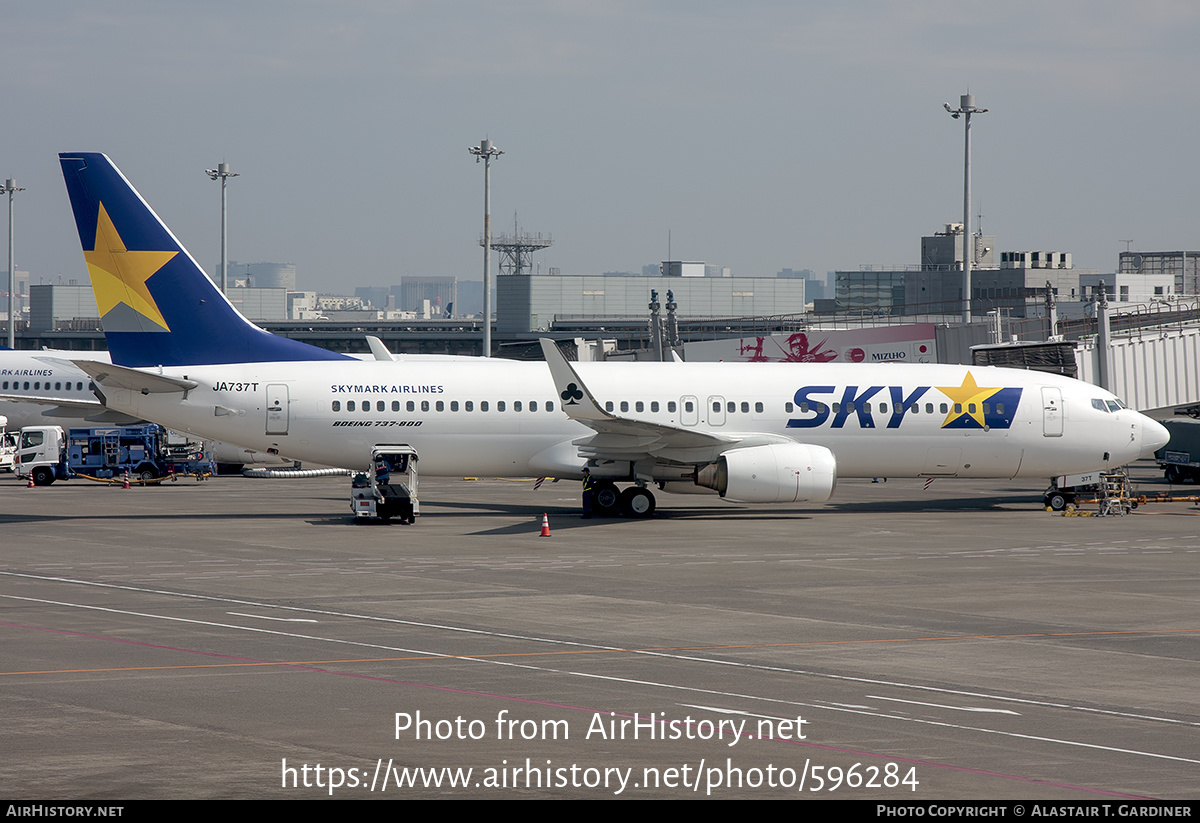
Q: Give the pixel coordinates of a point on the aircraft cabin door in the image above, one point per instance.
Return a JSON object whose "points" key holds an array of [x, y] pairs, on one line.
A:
{"points": [[716, 411], [1052, 412], [689, 410], [277, 408]]}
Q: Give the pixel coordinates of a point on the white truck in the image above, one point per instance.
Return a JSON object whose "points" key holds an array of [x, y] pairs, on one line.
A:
{"points": [[8, 446]]}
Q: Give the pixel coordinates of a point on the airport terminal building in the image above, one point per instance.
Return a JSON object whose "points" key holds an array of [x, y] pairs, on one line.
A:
{"points": [[532, 302]]}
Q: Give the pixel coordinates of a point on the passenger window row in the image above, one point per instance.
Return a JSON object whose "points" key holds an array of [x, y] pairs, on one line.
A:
{"points": [[688, 406], [912, 408], [37, 385], [731, 407], [440, 405]]}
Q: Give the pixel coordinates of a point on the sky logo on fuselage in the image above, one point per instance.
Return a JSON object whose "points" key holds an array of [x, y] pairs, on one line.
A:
{"points": [[971, 406]]}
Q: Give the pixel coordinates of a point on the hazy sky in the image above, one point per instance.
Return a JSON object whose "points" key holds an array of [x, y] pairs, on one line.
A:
{"points": [[761, 135]]}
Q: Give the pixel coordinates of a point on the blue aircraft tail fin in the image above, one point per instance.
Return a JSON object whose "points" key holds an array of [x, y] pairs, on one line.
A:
{"points": [[157, 306]]}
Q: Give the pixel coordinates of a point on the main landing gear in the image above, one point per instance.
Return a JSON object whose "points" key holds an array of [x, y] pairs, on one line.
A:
{"points": [[609, 501]]}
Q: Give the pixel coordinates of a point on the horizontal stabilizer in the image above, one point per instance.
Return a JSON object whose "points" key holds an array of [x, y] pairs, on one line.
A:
{"points": [[112, 376]]}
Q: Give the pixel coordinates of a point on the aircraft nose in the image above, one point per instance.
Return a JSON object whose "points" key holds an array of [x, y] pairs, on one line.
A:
{"points": [[1154, 436]]}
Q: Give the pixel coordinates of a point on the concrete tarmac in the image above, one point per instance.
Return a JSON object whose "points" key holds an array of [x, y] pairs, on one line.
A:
{"points": [[244, 639]]}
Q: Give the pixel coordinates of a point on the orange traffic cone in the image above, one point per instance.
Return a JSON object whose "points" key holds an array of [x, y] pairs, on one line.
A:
{"points": [[29, 485], [125, 482], [545, 525]]}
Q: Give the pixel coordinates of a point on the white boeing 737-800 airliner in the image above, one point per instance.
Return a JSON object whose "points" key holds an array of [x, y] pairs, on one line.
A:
{"points": [[759, 432]]}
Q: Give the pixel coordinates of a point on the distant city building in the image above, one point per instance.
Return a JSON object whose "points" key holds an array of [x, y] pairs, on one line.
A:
{"points": [[817, 287], [260, 304], [1183, 266], [339, 302], [679, 268], [1129, 287], [262, 275], [943, 250], [22, 291], [376, 296], [1023, 278], [1017, 286], [428, 296], [57, 307]]}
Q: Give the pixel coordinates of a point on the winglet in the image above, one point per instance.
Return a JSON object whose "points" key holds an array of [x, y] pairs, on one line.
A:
{"points": [[378, 350], [577, 401], [156, 304]]}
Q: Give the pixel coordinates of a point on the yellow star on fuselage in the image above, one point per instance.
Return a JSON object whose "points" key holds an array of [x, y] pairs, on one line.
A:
{"points": [[966, 394], [119, 275]]}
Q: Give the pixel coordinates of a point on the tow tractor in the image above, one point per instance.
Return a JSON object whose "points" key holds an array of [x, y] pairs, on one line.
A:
{"points": [[389, 487], [1066, 489]]}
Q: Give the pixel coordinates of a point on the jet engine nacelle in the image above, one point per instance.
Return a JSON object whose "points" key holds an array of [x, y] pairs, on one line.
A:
{"points": [[781, 473]]}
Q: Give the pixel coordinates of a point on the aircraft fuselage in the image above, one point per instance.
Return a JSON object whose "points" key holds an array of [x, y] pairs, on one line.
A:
{"points": [[505, 417]]}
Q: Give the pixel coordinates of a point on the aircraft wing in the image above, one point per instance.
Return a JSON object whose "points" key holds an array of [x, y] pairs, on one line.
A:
{"points": [[67, 405], [624, 438]]}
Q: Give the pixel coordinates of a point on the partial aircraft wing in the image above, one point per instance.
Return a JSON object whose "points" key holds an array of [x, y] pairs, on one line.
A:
{"points": [[624, 438], [62, 403]]}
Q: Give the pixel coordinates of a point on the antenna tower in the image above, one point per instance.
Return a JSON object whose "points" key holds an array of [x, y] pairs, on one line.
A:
{"points": [[516, 249]]}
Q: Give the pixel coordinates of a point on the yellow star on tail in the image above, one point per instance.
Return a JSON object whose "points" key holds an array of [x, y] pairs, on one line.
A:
{"points": [[119, 275], [966, 394]]}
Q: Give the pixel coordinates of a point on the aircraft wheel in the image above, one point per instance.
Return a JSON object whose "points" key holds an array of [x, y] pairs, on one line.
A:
{"points": [[606, 499], [637, 502], [42, 476], [1057, 501]]}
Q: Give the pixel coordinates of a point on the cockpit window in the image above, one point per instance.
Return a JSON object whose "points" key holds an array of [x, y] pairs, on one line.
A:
{"points": [[1113, 405], [1098, 404]]}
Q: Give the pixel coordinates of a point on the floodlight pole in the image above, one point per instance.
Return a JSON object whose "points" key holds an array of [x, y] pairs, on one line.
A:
{"points": [[965, 109], [10, 188], [486, 151], [222, 173]]}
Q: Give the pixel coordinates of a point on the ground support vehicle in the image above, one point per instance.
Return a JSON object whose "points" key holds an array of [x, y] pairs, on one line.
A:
{"points": [[389, 487], [1180, 458], [8, 446], [142, 453], [1066, 489]]}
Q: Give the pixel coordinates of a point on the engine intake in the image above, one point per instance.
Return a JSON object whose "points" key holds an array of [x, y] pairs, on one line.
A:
{"points": [[780, 473]]}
